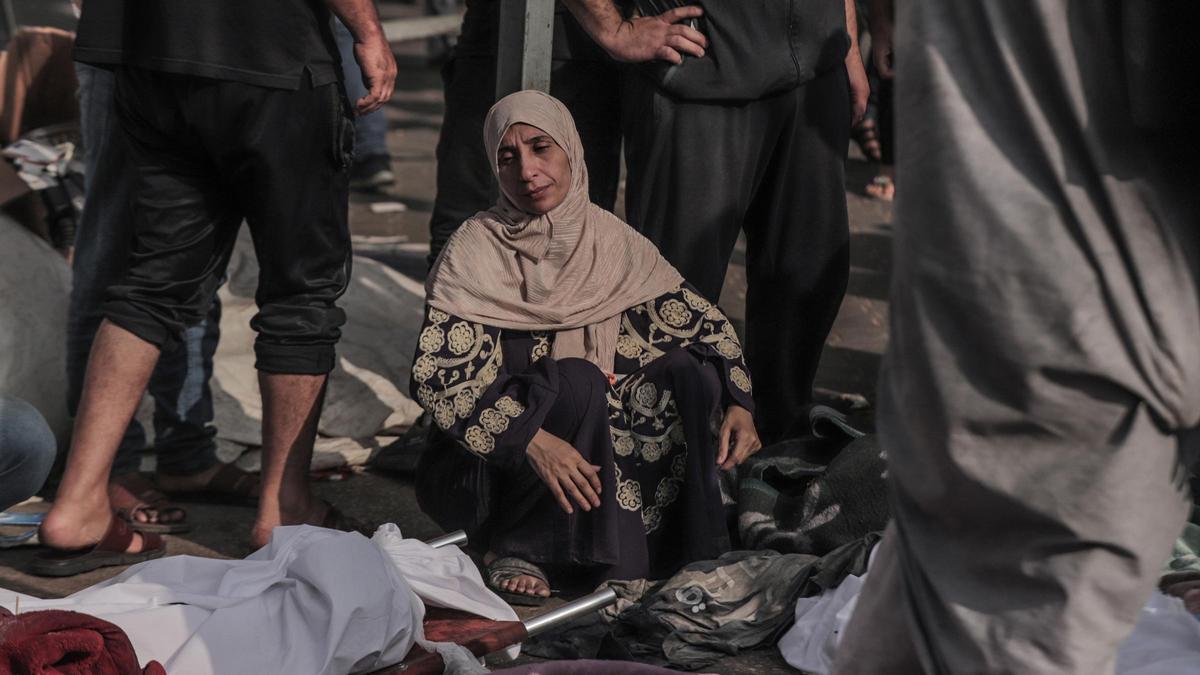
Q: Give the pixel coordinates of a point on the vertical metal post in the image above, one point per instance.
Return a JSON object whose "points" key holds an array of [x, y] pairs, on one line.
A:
{"points": [[526, 33]]}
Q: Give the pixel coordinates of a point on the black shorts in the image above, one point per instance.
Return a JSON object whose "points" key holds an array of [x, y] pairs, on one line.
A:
{"points": [[209, 154]]}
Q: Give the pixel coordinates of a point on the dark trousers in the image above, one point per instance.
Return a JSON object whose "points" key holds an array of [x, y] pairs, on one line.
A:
{"points": [[206, 155], [698, 173], [465, 184]]}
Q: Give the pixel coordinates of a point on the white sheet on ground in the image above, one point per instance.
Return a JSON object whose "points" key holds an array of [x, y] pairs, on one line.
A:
{"points": [[1165, 641], [312, 601]]}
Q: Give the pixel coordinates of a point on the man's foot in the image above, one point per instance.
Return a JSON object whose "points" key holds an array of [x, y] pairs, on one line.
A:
{"points": [[373, 172], [69, 527], [136, 500], [517, 581], [221, 483], [318, 512], [119, 544]]}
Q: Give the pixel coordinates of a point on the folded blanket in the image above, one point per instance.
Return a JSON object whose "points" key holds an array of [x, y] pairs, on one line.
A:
{"points": [[67, 643]]}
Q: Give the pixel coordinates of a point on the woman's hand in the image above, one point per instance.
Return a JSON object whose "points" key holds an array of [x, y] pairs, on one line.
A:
{"points": [[738, 438], [564, 471]]}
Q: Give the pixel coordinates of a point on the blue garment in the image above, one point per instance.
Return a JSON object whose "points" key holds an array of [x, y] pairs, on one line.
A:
{"points": [[183, 410], [370, 131], [27, 450]]}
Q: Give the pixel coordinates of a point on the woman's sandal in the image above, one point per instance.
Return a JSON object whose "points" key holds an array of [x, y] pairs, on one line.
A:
{"points": [[134, 493], [866, 135], [503, 569]]}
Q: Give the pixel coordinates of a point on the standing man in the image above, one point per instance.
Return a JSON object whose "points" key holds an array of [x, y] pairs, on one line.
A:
{"points": [[752, 137], [216, 133], [582, 76], [1040, 395]]}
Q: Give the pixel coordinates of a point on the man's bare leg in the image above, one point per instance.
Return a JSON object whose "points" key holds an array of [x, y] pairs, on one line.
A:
{"points": [[119, 367], [291, 410]]}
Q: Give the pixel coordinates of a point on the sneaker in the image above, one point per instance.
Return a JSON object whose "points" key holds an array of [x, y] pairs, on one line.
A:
{"points": [[372, 173]]}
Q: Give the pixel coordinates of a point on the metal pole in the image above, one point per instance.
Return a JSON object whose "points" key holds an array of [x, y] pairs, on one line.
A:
{"points": [[571, 610], [526, 34], [456, 538]]}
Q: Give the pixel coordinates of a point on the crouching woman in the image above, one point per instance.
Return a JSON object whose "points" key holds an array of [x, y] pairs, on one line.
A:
{"points": [[585, 396]]}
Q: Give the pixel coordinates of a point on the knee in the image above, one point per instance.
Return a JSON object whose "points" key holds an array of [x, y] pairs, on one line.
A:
{"points": [[681, 366], [583, 380], [27, 448]]}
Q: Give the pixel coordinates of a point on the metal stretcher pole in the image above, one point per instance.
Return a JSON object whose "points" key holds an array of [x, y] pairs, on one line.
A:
{"points": [[569, 611], [455, 538]]}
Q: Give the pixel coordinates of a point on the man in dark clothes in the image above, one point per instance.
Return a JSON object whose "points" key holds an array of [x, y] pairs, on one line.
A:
{"points": [[582, 76], [216, 133], [751, 137]]}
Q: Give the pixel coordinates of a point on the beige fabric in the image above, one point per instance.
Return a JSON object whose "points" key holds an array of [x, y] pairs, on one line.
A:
{"points": [[573, 270]]}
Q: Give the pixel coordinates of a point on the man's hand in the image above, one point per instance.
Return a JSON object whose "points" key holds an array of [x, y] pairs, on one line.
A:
{"points": [[662, 37], [564, 471], [371, 51], [738, 438], [643, 38], [378, 67]]}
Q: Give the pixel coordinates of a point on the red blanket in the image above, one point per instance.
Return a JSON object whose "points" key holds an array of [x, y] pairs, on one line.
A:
{"points": [[55, 642]]}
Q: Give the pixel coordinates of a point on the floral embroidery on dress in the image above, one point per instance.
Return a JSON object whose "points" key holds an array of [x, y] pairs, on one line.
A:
{"points": [[509, 406], [675, 313], [479, 440], [740, 379], [461, 337], [541, 346], [629, 493]]}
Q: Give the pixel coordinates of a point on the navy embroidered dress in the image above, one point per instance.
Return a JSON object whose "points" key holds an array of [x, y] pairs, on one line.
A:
{"points": [[653, 433]]}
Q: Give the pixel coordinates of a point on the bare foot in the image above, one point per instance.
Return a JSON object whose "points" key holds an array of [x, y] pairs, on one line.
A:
{"points": [[70, 527], [882, 187], [523, 584], [311, 513]]}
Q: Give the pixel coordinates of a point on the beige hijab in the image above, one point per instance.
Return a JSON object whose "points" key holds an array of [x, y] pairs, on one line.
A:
{"points": [[573, 270]]}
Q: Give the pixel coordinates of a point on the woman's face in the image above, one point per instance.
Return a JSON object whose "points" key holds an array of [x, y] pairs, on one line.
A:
{"points": [[534, 171]]}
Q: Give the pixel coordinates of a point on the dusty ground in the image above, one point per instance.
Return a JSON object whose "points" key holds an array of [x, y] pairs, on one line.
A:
{"points": [[849, 365]]}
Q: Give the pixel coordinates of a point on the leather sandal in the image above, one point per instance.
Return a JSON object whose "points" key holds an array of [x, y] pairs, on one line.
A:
{"points": [[109, 551], [134, 493]]}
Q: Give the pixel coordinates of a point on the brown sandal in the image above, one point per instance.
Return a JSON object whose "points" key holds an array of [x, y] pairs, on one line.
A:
{"points": [[134, 493], [229, 486], [110, 550]]}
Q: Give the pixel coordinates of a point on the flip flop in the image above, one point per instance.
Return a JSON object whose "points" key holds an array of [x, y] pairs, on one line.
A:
{"points": [[503, 569], [135, 494], [109, 551], [229, 486]]}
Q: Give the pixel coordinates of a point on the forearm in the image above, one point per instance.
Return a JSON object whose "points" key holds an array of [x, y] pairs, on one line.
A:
{"points": [[599, 18], [852, 29], [359, 16]]}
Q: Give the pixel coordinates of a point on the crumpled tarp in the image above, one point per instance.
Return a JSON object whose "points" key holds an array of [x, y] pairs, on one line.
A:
{"points": [[708, 610], [35, 284], [364, 405]]}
